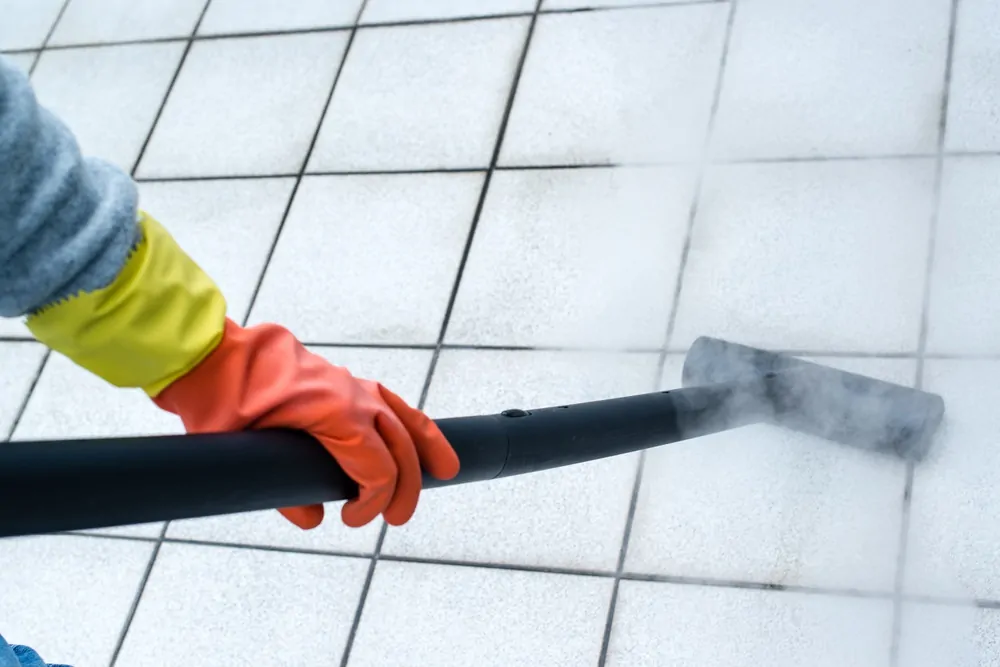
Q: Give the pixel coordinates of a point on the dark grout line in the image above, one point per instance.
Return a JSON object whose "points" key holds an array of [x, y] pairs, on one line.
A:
{"points": [[356, 622], [405, 23], [134, 607], [566, 166], [623, 551], [121, 42], [632, 6], [359, 611], [126, 626], [789, 159], [758, 586], [23, 408], [199, 179], [671, 323], [490, 565], [251, 34], [358, 25], [480, 204], [48, 37], [163, 103], [300, 175], [644, 577], [904, 532], [400, 172], [460, 347]]}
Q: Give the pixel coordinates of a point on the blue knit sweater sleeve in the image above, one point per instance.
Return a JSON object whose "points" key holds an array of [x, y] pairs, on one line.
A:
{"points": [[67, 223]]}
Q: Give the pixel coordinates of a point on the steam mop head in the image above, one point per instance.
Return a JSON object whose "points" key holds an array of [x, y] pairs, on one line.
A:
{"points": [[845, 407]]}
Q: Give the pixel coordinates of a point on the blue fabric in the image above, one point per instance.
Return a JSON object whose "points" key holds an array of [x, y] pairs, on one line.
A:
{"points": [[67, 223], [20, 656]]}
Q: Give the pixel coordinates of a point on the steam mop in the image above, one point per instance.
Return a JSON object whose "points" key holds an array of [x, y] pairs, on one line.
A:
{"points": [[49, 486]]}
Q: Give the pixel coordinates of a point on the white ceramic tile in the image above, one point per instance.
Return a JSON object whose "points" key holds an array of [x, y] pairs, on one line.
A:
{"points": [[611, 87], [974, 103], [953, 534], [245, 106], [226, 226], [227, 16], [949, 636], [402, 371], [964, 300], [369, 258], [19, 362], [89, 21], [452, 617], [108, 96], [68, 596], [801, 79], [421, 97], [243, 607], [574, 257], [667, 624], [14, 327], [768, 505], [810, 256], [586, 4], [407, 10], [26, 22], [71, 402], [569, 517], [22, 60]]}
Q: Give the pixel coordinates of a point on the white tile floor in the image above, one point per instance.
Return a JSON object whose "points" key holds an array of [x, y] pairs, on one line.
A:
{"points": [[779, 172]]}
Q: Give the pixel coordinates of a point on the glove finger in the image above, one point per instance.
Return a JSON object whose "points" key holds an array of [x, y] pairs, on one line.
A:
{"points": [[408, 483], [372, 466], [305, 517], [433, 450]]}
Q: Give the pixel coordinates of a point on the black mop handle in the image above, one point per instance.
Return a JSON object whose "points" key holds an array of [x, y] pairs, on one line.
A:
{"points": [[49, 486]]}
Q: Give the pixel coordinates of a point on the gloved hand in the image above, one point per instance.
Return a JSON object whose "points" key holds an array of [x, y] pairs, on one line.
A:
{"points": [[20, 656], [262, 377], [161, 325]]}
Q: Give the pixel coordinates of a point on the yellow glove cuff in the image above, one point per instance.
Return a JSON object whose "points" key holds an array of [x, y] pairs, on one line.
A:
{"points": [[159, 319]]}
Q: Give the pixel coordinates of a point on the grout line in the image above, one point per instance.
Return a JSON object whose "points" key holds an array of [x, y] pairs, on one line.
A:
{"points": [[570, 166], [134, 607], [404, 23], [637, 5], [300, 175], [358, 24], [671, 320], [48, 37], [126, 626], [166, 96], [480, 204], [141, 41], [904, 532], [198, 179], [622, 553], [394, 172], [23, 408], [788, 159], [363, 597], [352, 635], [490, 565], [679, 580]]}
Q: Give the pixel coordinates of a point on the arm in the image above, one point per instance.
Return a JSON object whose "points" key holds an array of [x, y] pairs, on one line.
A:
{"points": [[67, 223], [106, 285]]}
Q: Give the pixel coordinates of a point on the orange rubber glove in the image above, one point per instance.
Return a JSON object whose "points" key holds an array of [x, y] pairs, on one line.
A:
{"points": [[262, 377], [161, 326]]}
